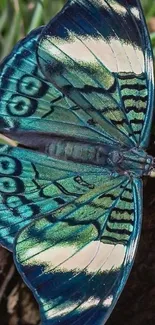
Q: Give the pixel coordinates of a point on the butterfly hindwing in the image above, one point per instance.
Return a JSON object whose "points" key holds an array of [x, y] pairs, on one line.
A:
{"points": [[32, 184], [98, 53], [77, 259]]}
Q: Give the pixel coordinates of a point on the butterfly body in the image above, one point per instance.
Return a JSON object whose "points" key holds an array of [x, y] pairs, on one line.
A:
{"points": [[133, 161], [77, 101]]}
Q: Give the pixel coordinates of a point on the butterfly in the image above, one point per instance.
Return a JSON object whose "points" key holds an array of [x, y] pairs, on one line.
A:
{"points": [[77, 104]]}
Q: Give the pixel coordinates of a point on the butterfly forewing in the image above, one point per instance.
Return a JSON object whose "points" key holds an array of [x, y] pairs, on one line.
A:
{"points": [[98, 53], [31, 107]]}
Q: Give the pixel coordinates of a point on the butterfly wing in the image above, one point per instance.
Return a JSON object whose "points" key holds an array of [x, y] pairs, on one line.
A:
{"points": [[33, 184], [98, 53], [76, 246], [33, 112], [77, 259], [32, 109]]}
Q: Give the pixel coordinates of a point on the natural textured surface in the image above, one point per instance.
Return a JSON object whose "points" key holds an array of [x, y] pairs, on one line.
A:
{"points": [[78, 266], [136, 305], [137, 302]]}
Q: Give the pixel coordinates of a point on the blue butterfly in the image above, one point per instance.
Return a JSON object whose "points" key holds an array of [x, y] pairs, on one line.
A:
{"points": [[77, 101]]}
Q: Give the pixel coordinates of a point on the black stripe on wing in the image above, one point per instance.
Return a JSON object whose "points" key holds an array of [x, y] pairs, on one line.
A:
{"points": [[87, 48], [77, 260]]}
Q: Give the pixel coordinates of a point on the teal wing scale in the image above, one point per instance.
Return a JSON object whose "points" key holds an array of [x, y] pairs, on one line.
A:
{"points": [[77, 259], [33, 113], [98, 53], [32, 184], [32, 108]]}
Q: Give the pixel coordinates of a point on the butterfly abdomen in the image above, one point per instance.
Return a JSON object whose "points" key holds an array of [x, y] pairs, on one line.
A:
{"points": [[78, 151]]}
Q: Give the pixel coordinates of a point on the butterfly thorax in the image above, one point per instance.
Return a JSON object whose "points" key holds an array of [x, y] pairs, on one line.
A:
{"points": [[133, 162]]}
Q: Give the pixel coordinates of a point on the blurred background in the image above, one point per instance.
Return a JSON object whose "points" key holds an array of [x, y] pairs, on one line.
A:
{"points": [[137, 303], [18, 17]]}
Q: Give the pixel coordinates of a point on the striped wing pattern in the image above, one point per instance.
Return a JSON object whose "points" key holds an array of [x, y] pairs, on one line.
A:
{"points": [[32, 184], [86, 77], [79, 257], [31, 107], [32, 112], [134, 95], [89, 51]]}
